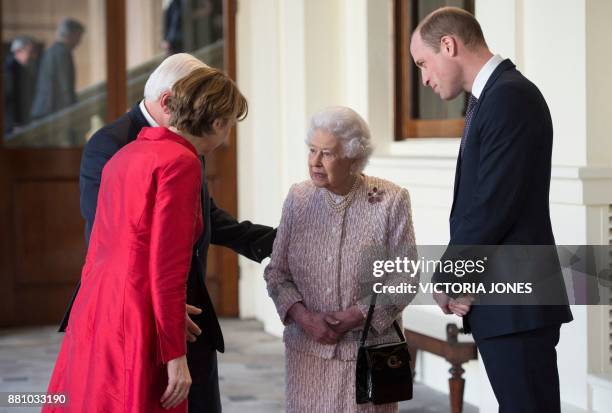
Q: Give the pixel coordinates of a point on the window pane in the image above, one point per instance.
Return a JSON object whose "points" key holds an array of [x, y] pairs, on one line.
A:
{"points": [[54, 71], [429, 105], [190, 25], [158, 28]]}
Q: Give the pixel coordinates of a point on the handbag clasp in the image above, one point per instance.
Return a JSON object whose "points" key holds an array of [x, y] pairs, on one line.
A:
{"points": [[394, 362]]}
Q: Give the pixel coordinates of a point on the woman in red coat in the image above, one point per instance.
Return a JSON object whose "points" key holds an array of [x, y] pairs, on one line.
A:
{"points": [[124, 348]]}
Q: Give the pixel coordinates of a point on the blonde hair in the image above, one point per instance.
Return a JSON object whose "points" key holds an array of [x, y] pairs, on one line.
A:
{"points": [[201, 97]]}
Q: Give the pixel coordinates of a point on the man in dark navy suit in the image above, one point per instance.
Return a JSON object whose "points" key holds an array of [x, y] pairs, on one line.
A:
{"points": [[501, 193], [251, 240]]}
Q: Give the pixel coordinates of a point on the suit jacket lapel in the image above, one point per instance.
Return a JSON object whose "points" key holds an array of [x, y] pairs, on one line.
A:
{"points": [[502, 67], [457, 176]]}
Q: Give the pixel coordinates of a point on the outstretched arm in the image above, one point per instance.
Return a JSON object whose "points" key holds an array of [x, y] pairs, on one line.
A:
{"points": [[253, 241]]}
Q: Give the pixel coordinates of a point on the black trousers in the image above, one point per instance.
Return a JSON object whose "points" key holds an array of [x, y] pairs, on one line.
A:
{"points": [[522, 369], [204, 393]]}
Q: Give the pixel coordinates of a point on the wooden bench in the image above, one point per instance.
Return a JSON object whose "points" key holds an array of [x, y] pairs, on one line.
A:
{"points": [[455, 352]]}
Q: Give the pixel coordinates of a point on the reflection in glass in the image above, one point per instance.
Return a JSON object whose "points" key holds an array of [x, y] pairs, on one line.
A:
{"points": [[56, 87], [20, 69], [159, 28], [429, 105], [191, 24], [54, 72]]}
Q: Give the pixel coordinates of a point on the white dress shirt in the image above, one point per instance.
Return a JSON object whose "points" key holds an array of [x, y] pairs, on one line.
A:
{"points": [[485, 73], [147, 115]]}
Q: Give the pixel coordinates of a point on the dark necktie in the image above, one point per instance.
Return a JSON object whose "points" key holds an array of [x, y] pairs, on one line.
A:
{"points": [[468, 119]]}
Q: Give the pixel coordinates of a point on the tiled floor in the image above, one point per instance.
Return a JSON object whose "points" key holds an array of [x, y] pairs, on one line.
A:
{"points": [[251, 370]]}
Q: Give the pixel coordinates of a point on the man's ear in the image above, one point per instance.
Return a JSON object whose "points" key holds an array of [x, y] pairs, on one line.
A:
{"points": [[164, 99], [448, 46]]}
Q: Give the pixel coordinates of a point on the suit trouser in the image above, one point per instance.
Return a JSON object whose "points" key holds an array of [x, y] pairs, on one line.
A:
{"points": [[522, 369], [204, 392]]}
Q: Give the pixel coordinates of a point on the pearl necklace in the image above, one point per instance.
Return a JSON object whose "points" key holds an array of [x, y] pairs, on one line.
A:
{"points": [[346, 200]]}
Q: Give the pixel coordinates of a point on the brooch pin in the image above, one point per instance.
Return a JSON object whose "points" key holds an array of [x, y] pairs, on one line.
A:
{"points": [[375, 195]]}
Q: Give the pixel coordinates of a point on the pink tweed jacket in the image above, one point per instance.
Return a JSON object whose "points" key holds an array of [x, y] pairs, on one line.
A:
{"points": [[318, 259]]}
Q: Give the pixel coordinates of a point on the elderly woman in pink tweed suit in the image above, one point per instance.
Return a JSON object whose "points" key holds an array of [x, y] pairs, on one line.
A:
{"points": [[327, 225]]}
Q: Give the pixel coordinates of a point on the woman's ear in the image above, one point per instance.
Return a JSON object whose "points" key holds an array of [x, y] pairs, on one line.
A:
{"points": [[219, 123]]}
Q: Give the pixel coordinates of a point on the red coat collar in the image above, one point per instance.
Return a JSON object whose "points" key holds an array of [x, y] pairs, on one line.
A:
{"points": [[160, 133]]}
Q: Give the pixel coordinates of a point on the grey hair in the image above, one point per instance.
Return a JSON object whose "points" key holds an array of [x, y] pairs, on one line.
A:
{"points": [[69, 26], [21, 42], [349, 128], [173, 68]]}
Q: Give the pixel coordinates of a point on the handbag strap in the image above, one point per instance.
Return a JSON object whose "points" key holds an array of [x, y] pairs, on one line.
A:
{"points": [[366, 328]]}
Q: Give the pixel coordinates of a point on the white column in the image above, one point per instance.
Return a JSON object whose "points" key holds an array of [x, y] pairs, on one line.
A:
{"points": [[554, 59], [260, 140]]}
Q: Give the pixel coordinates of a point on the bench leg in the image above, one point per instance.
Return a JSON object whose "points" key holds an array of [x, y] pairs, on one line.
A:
{"points": [[456, 385]]}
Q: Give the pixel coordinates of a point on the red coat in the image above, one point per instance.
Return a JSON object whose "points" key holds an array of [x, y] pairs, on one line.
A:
{"points": [[128, 319]]}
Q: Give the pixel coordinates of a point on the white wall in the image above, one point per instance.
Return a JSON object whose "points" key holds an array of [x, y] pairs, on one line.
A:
{"points": [[295, 57], [554, 58]]}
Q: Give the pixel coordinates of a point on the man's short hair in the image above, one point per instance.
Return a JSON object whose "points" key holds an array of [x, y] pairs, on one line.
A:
{"points": [[201, 97], [168, 72], [447, 21], [21, 42], [69, 26]]}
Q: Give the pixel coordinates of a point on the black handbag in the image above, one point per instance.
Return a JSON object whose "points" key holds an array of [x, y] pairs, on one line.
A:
{"points": [[383, 371]]}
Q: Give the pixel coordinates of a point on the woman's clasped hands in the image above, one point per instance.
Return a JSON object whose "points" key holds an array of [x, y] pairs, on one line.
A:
{"points": [[326, 328]]}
